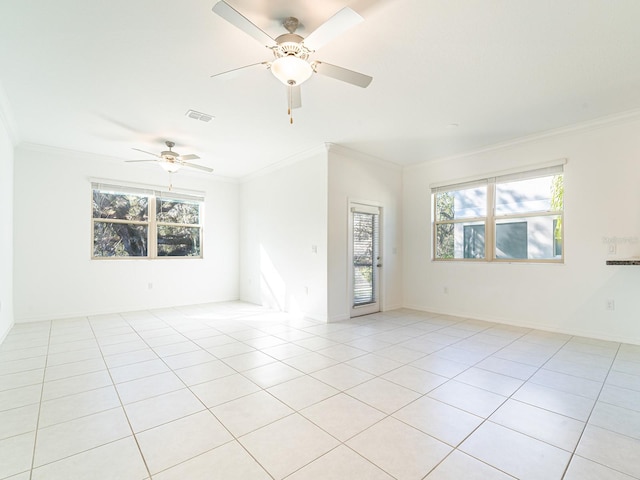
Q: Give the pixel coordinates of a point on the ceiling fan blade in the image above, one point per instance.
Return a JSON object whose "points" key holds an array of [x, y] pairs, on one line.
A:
{"points": [[189, 157], [235, 18], [239, 68], [296, 97], [339, 23], [342, 74], [199, 167], [134, 161], [148, 153]]}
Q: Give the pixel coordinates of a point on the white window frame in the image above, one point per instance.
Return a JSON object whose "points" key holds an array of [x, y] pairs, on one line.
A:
{"points": [[491, 220], [153, 194]]}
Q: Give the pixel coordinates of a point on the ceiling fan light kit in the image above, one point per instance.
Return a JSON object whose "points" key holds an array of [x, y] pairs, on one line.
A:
{"points": [[291, 70], [170, 166], [171, 161], [291, 51]]}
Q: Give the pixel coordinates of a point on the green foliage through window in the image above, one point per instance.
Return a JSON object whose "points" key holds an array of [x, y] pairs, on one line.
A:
{"points": [[444, 232], [511, 217], [124, 225]]}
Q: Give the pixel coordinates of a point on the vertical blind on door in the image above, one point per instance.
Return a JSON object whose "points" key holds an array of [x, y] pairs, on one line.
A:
{"points": [[365, 257]]}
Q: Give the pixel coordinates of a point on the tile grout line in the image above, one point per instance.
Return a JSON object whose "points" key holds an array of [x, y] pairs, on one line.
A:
{"points": [[399, 326], [586, 422], [486, 419], [386, 415], [144, 460], [44, 373], [234, 438], [294, 411], [390, 415]]}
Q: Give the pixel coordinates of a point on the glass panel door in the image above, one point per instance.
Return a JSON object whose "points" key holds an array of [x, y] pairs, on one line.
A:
{"points": [[365, 259]]}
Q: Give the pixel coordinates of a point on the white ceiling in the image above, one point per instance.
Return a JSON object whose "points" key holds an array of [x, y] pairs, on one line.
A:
{"points": [[106, 76]]}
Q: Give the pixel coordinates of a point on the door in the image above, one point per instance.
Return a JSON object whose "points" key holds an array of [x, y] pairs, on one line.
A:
{"points": [[364, 249]]}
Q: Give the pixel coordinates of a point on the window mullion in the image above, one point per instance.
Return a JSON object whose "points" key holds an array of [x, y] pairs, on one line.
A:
{"points": [[461, 220], [490, 244], [169, 224], [153, 228], [529, 215], [434, 247], [117, 220]]}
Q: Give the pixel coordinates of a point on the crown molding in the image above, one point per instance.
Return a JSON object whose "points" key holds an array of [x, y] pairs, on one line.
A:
{"points": [[334, 148], [67, 152], [326, 149], [600, 122], [295, 158]]}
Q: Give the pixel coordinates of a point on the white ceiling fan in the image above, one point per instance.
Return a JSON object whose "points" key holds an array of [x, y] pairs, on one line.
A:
{"points": [[291, 51], [172, 161]]}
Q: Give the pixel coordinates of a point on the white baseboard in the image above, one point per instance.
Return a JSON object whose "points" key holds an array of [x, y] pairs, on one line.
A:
{"points": [[112, 311], [525, 324], [3, 336], [338, 318], [387, 308]]}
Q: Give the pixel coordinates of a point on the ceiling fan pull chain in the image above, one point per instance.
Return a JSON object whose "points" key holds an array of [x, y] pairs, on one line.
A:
{"points": [[290, 102]]}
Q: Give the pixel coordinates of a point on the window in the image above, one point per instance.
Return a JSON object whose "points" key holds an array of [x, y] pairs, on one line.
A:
{"points": [[130, 222], [516, 217]]}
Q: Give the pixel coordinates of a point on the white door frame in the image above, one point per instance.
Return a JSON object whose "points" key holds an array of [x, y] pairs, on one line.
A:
{"points": [[375, 208]]}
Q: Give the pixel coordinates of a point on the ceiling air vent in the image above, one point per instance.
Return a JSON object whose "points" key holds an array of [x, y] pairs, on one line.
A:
{"points": [[203, 117]]}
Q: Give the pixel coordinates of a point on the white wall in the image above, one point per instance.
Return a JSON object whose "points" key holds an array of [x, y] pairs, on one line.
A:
{"points": [[6, 231], [602, 204], [283, 216], [54, 275], [356, 177]]}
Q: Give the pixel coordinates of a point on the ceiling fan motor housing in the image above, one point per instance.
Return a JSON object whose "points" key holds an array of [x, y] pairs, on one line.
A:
{"points": [[169, 155], [290, 44]]}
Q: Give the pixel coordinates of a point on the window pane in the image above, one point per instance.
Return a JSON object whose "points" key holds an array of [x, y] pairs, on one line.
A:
{"points": [[178, 241], [365, 246], [473, 246], [529, 238], [557, 238], [119, 240], [460, 240], [456, 204], [120, 206], [511, 240], [444, 240], [532, 195], [177, 211]]}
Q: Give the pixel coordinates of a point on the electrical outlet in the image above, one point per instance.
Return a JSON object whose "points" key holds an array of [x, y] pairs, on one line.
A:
{"points": [[150, 285], [611, 304], [612, 249], [445, 290]]}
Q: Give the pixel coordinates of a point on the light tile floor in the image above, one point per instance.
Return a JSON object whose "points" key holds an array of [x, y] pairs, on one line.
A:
{"points": [[232, 391]]}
